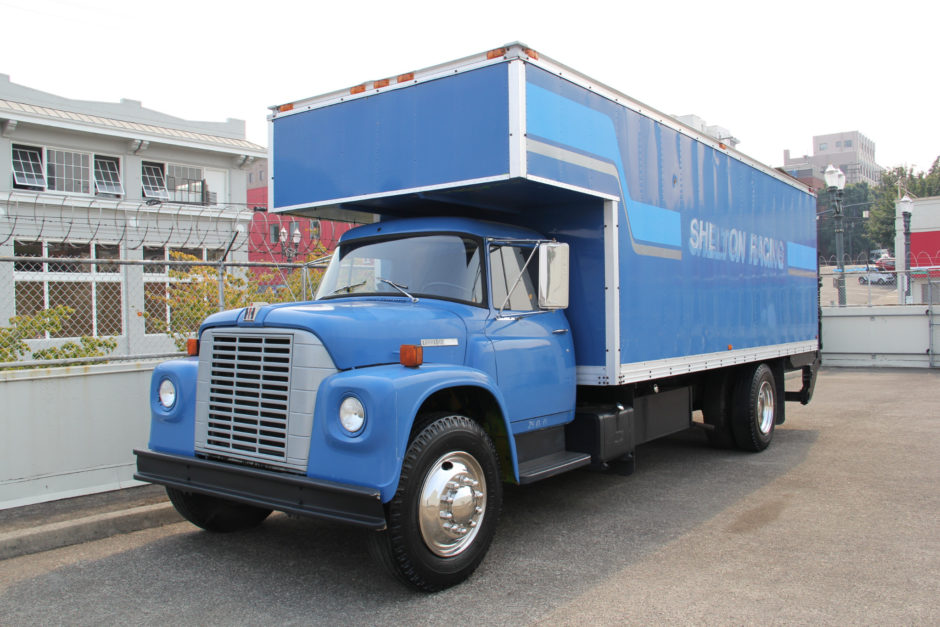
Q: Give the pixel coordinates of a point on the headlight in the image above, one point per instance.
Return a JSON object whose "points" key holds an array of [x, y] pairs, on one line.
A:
{"points": [[167, 394], [352, 415]]}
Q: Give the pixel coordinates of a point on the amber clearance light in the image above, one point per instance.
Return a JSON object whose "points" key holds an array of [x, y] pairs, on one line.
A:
{"points": [[192, 347], [411, 355]]}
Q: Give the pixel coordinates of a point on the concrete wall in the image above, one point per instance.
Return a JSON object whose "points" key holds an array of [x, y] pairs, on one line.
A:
{"points": [[71, 431], [890, 336]]}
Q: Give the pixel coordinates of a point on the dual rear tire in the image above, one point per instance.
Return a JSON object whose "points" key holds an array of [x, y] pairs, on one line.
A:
{"points": [[742, 408]]}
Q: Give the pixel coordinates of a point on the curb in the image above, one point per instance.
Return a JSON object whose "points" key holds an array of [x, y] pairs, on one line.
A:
{"points": [[94, 527]]}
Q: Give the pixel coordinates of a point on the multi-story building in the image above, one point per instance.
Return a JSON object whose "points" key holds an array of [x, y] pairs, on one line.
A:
{"points": [[112, 181], [851, 152]]}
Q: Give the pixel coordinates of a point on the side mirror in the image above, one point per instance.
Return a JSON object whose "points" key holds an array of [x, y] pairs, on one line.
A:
{"points": [[553, 275]]}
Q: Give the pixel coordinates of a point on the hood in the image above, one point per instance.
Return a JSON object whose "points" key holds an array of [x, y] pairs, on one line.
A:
{"points": [[367, 333]]}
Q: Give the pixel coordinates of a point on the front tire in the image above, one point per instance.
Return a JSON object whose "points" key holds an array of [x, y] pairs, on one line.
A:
{"points": [[755, 408], [443, 516], [215, 514]]}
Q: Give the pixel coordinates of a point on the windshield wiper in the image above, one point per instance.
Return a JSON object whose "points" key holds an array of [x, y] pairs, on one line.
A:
{"points": [[347, 288], [400, 288]]}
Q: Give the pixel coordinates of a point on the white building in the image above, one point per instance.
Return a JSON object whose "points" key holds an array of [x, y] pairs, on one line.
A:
{"points": [[100, 180]]}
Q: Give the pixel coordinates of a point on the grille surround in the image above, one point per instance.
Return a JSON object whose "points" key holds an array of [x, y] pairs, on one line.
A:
{"points": [[256, 395]]}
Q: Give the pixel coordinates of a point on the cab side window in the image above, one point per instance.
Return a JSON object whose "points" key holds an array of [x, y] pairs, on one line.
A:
{"points": [[506, 265]]}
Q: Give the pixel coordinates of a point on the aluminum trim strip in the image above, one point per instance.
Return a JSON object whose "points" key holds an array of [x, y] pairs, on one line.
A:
{"points": [[657, 369]]}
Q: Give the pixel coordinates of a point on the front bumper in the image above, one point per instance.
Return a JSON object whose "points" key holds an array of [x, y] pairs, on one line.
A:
{"points": [[303, 496]]}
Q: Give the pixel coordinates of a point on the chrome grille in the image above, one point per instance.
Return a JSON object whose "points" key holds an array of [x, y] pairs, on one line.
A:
{"points": [[249, 394]]}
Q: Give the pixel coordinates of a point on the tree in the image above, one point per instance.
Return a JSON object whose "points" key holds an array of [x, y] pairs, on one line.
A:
{"points": [[193, 293], [856, 199], [881, 226]]}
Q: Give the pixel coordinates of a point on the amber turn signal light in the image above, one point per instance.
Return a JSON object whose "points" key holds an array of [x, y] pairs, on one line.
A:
{"points": [[411, 355], [192, 347]]}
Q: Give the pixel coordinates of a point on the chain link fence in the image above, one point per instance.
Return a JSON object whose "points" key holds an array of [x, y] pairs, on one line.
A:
{"points": [[77, 310], [871, 285]]}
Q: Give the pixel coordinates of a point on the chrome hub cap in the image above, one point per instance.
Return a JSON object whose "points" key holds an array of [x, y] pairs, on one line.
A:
{"points": [[452, 503], [765, 407]]}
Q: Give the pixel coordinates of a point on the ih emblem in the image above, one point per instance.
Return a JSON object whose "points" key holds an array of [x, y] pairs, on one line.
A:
{"points": [[252, 310]]}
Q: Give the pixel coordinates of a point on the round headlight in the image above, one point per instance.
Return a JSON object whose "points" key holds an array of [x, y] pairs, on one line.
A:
{"points": [[167, 393], [352, 415]]}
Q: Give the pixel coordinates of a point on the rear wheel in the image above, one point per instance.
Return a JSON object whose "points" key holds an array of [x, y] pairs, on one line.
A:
{"points": [[443, 516], [717, 409], [755, 408], [215, 514]]}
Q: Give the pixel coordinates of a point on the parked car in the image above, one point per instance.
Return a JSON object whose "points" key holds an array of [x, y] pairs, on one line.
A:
{"points": [[877, 278], [885, 264]]}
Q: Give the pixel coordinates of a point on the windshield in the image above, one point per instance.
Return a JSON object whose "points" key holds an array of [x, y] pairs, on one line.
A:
{"points": [[438, 266]]}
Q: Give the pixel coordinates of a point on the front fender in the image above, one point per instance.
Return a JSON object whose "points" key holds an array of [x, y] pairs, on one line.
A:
{"points": [[392, 396], [173, 430]]}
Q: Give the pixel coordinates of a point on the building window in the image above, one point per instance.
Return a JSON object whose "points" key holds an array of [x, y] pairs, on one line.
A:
{"points": [[185, 184], [153, 181], [68, 171], [27, 168], [93, 292], [315, 232], [823, 146], [847, 143], [275, 233], [108, 176]]}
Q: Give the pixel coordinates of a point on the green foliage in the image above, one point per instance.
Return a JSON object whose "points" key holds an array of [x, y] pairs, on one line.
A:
{"points": [[13, 338], [85, 347], [881, 226], [193, 294], [856, 199]]}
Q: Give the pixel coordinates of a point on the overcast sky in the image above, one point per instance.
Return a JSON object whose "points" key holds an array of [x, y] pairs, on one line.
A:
{"points": [[774, 73]]}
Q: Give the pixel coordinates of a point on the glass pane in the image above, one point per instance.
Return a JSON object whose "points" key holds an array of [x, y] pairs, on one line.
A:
{"points": [[29, 298], [154, 253], [76, 296], [107, 251], [66, 250], [23, 248], [108, 308], [155, 307]]}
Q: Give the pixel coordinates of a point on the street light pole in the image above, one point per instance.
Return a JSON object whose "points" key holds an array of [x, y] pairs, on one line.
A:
{"points": [[835, 181], [290, 249]]}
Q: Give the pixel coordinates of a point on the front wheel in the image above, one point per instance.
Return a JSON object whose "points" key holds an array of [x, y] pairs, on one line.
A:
{"points": [[443, 516], [215, 514]]}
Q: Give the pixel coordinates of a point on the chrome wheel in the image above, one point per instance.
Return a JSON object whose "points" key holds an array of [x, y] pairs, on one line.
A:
{"points": [[765, 407], [452, 503]]}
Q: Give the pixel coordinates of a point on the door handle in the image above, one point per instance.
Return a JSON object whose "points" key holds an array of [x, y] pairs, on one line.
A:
{"points": [[560, 331]]}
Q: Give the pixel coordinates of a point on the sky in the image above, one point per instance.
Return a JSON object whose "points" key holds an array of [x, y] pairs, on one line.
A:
{"points": [[773, 73]]}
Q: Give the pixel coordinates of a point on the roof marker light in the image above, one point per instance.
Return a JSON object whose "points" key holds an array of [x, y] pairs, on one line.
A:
{"points": [[402, 78], [495, 54], [380, 84], [285, 107], [358, 89], [532, 54]]}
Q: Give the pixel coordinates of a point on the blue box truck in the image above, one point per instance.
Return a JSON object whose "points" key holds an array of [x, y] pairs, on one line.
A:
{"points": [[547, 275]]}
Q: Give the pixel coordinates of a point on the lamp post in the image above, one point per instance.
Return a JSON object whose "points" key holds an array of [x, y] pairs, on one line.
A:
{"points": [[906, 206], [290, 248], [835, 181]]}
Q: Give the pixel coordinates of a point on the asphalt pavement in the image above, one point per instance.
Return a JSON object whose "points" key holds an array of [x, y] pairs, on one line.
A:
{"points": [[836, 523]]}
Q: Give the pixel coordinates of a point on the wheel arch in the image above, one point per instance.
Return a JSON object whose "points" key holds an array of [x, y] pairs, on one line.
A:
{"points": [[481, 406]]}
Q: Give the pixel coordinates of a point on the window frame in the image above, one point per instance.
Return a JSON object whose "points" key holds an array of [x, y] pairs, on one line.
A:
{"points": [[39, 151], [148, 189]]}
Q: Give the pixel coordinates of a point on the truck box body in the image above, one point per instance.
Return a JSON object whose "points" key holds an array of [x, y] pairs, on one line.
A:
{"points": [[685, 255]]}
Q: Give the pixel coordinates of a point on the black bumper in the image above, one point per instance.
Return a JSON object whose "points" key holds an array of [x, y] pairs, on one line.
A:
{"points": [[293, 494]]}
